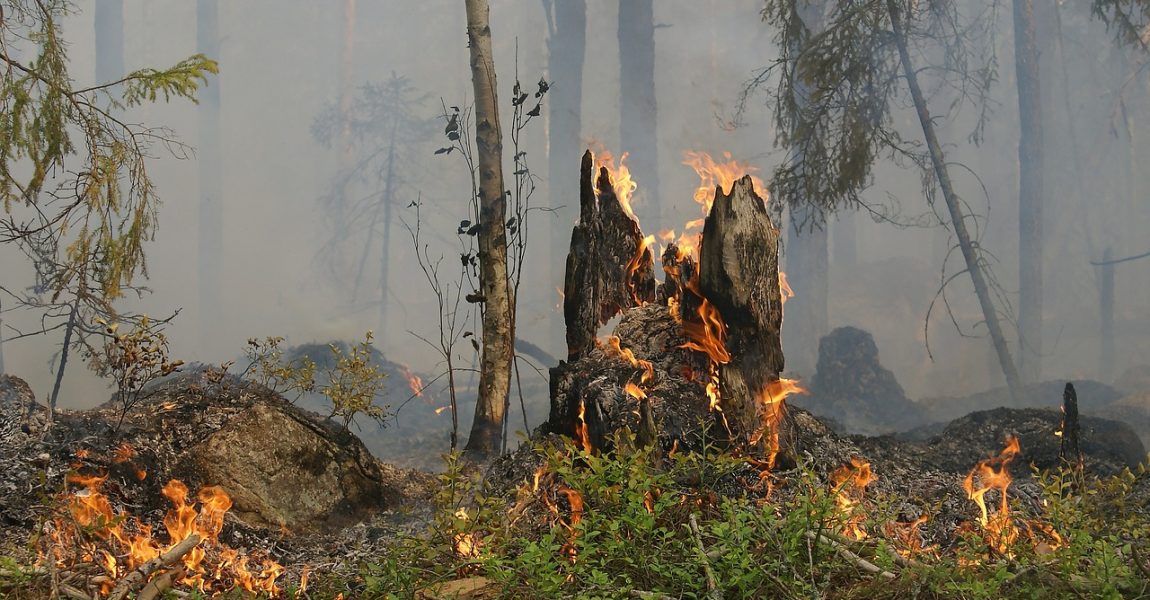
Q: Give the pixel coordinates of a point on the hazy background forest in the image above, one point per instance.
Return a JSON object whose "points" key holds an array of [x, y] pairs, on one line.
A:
{"points": [[283, 64]]}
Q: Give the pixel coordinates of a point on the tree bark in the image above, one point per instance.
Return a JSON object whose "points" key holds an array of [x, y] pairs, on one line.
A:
{"points": [[566, 47], [637, 104], [210, 162], [1030, 194], [608, 267], [498, 313], [957, 218], [739, 274]]}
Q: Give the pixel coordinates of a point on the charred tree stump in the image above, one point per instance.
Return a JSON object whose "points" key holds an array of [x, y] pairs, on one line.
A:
{"points": [[739, 274], [1069, 451], [609, 269]]}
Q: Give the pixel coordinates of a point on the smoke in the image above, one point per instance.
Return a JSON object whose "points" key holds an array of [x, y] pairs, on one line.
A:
{"points": [[279, 67]]}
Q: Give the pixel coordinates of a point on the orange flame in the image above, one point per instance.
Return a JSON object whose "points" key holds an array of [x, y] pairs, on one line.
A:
{"points": [[718, 174], [414, 382], [581, 428], [127, 543], [785, 290], [621, 180], [771, 406], [908, 537], [614, 348], [999, 530], [849, 482]]}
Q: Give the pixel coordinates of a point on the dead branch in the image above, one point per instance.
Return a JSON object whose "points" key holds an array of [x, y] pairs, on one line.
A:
{"points": [[160, 584], [844, 552], [140, 574], [713, 592]]}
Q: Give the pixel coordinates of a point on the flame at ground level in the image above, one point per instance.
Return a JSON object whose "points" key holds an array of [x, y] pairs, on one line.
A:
{"points": [[89, 529]]}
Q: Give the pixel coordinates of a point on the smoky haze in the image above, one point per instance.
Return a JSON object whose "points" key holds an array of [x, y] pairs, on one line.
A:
{"points": [[280, 69]]}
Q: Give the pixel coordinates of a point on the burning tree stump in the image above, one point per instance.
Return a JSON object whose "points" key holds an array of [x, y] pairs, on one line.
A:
{"points": [[707, 354], [739, 274], [609, 267]]}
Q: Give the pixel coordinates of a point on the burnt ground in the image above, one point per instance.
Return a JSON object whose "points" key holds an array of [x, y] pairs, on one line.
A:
{"points": [[180, 425]]}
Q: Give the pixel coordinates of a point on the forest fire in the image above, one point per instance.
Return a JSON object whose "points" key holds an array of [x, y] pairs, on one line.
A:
{"points": [[992, 474], [849, 483], [88, 530]]}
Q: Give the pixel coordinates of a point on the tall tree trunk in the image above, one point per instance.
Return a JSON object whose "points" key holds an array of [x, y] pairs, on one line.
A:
{"points": [[806, 320], [566, 47], [806, 250], [637, 107], [1029, 193], [385, 241], [498, 313], [344, 158], [211, 228], [957, 218], [109, 24], [845, 232]]}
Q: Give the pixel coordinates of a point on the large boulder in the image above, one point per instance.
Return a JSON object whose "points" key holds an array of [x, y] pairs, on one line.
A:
{"points": [[282, 466], [853, 389]]}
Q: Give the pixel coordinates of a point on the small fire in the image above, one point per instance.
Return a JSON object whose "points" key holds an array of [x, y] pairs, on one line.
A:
{"points": [[614, 348], [621, 180], [414, 382], [441, 410], [771, 406], [785, 290], [465, 543], [999, 530], [89, 527], [581, 428], [709, 334], [849, 482], [908, 537], [718, 174]]}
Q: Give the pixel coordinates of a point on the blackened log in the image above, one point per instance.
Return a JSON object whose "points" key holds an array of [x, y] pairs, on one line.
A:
{"points": [[583, 283], [739, 274]]}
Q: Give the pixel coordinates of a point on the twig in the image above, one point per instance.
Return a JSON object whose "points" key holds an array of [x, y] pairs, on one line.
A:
{"points": [[160, 584], [136, 578], [713, 592], [861, 562], [73, 593], [649, 595], [903, 561]]}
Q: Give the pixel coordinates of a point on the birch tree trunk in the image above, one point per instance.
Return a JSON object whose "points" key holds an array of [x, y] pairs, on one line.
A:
{"points": [[498, 313], [1029, 193]]}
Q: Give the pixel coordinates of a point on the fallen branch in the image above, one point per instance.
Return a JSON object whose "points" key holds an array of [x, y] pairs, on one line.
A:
{"points": [[713, 592], [71, 592], [160, 584], [134, 580], [843, 551], [643, 595]]}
